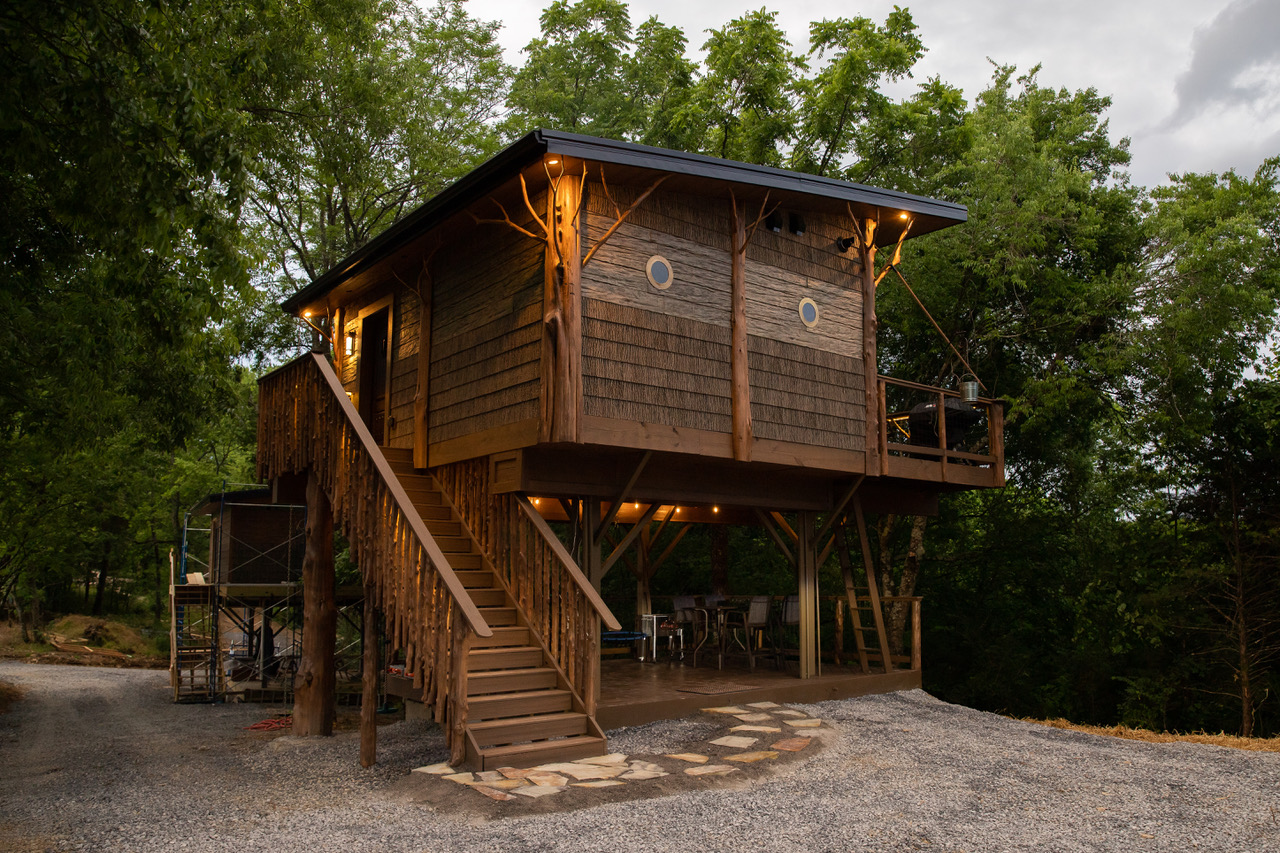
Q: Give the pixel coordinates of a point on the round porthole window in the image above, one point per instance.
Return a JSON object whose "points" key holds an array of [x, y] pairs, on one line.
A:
{"points": [[808, 312], [659, 272]]}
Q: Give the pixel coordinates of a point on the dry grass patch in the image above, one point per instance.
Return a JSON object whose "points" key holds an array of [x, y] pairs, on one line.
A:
{"points": [[1256, 744]]}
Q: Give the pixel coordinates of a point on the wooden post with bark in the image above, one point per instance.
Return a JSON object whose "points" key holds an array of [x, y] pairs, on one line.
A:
{"points": [[369, 682], [313, 692]]}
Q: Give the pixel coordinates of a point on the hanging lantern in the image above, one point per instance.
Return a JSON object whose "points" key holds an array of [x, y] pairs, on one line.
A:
{"points": [[969, 388]]}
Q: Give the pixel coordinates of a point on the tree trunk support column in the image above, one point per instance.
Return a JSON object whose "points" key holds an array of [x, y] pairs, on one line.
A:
{"points": [[369, 683], [313, 693]]}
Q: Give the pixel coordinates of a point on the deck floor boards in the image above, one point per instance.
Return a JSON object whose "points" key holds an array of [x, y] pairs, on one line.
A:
{"points": [[633, 693]]}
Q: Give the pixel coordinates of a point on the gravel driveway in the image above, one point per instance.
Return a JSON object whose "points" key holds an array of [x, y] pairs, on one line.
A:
{"points": [[99, 759]]}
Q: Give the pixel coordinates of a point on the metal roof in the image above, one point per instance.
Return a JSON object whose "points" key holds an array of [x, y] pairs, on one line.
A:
{"points": [[536, 144]]}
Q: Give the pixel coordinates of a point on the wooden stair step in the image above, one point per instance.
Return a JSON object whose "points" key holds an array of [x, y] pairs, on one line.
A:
{"points": [[498, 616], [541, 752], [475, 579], [466, 561], [423, 495], [488, 597], [433, 512], [513, 657], [526, 703], [510, 681], [508, 636], [523, 729], [454, 544], [443, 527]]}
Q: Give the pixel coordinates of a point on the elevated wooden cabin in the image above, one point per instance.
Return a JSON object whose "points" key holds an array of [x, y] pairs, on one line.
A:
{"points": [[592, 330]]}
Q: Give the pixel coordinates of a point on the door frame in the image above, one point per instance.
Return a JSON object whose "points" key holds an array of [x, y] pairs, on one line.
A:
{"points": [[362, 317]]}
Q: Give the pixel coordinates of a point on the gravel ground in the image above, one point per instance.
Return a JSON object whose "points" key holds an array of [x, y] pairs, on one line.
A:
{"points": [[99, 759]]}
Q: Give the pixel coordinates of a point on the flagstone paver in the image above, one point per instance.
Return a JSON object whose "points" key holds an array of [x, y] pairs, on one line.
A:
{"points": [[648, 765], [735, 741], [489, 776], [599, 783], [788, 712], [754, 718], [804, 724], [514, 772], [461, 778], [641, 775], [793, 744], [727, 709], [436, 769], [604, 760], [493, 793], [710, 770], [691, 757], [547, 779], [536, 791], [753, 757], [755, 729], [763, 705]]}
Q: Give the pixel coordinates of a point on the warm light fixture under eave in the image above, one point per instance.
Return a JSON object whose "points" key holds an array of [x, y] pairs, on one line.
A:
{"points": [[903, 216], [715, 509], [553, 161]]}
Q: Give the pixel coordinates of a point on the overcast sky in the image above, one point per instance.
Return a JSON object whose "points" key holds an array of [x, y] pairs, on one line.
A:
{"points": [[1195, 84]]}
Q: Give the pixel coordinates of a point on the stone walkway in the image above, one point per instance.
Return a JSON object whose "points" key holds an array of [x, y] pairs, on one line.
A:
{"points": [[764, 730]]}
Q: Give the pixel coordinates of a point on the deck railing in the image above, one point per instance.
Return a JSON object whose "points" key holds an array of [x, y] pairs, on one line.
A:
{"points": [[562, 607], [931, 433], [306, 422]]}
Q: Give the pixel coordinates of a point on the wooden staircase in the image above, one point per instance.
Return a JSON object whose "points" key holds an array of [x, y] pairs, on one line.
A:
{"points": [[520, 709]]}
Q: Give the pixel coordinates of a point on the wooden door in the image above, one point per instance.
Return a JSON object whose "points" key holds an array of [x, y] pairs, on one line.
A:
{"points": [[375, 372]]}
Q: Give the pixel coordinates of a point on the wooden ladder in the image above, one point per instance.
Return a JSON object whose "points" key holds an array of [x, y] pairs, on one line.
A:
{"points": [[863, 599], [520, 709]]}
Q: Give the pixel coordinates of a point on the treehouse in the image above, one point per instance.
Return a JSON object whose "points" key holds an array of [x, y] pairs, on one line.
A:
{"points": [[605, 335]]}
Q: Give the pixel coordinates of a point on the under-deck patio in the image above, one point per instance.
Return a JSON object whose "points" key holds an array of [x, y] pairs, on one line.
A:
{"points": [[633, 693]]}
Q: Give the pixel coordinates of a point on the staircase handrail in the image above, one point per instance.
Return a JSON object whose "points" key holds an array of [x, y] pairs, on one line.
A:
{"points": [[570, 565], [435, 556]]}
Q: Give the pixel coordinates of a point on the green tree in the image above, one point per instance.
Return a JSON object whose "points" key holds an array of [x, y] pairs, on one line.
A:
{"points": [[382, 106], [576, 75]]}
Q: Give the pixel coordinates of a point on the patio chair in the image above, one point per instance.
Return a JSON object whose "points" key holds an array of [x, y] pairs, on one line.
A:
{"points": [[686, 615], [788, 619], [752, 622]]}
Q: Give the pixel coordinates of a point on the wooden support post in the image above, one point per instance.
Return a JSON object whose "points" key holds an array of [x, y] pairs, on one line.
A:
{"points": [[807, 565], [871, 376], [422, 395], [916, 656], [877, 612], [313, 691], [592, 565], [369, 683], [738, 354], [562, 312]]}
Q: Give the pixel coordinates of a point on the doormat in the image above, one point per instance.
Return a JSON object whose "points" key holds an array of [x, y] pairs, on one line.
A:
{"points": [[716, 687]]}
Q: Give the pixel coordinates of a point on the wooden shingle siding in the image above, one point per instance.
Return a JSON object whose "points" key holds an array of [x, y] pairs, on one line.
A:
{"points": [[617, 273], [773, 310], [486, 335], [805, 396], [404, 366], [697, 219], [812, 254], [642, 366]]}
